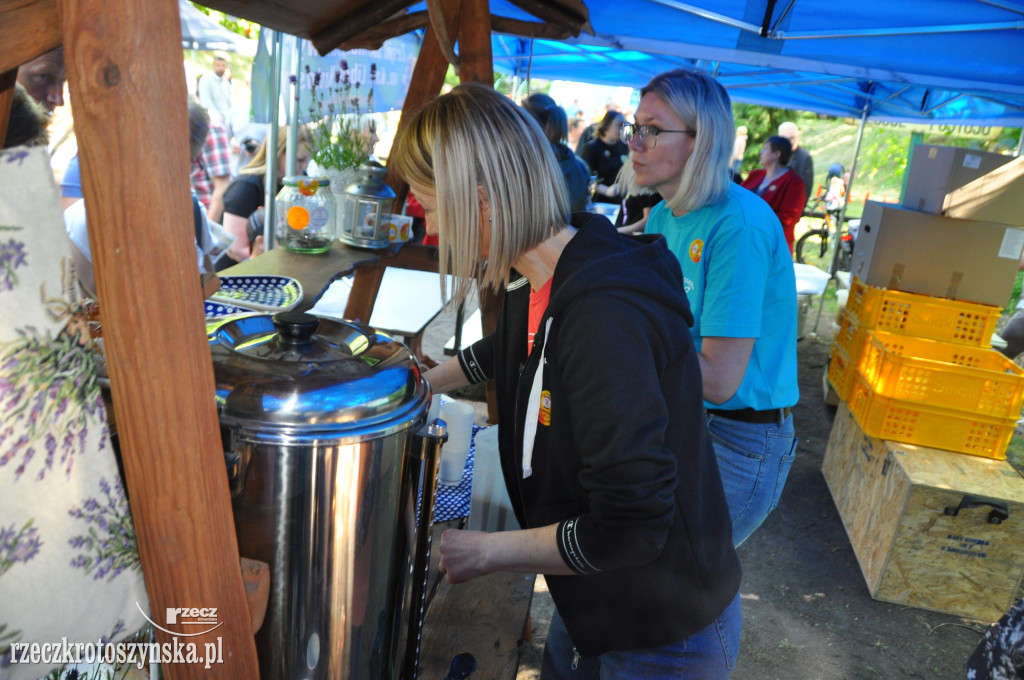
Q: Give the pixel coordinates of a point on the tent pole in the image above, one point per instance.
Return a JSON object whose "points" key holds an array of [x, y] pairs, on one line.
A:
{"points": [[1020, 143], [293, 112], [842, 217], [269, 219]]}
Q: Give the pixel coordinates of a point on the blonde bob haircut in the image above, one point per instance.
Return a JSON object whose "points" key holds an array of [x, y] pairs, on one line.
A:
{"points": [[703, 105], [474, 147]]}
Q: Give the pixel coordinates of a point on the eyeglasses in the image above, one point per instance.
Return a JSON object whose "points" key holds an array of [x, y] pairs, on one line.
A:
{"points": [[648, 134]]}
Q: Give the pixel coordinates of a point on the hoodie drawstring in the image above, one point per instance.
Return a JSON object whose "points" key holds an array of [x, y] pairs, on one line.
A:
{"points": [[533, 407]]}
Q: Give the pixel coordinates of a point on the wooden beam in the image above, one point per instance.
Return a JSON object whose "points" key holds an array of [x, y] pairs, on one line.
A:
{"points": [[124, 71], [530, 29], [477, 62], [29, 28], [572, 14], [7, 80], [374, 37], [444, 39], [427, 79], [478, 66], [355, 22]]}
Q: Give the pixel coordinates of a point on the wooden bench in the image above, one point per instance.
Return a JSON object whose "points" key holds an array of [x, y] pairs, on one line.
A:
{"points": [[486, 617]]}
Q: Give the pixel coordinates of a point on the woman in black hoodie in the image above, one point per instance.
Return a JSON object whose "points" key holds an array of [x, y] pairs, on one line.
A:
{"points": [[603, 443]]}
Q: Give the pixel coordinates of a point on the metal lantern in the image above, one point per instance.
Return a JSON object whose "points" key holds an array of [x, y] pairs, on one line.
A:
{"points": [[367, 213]]}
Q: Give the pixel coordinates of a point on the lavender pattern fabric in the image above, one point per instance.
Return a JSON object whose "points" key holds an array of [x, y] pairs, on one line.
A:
{"points": [[69, 563]]}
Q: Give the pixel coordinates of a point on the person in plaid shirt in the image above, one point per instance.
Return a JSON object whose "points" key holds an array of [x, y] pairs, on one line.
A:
{"points": [[211, 170]]}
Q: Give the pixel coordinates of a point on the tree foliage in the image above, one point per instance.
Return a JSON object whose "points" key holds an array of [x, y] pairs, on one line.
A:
{"points": [[243, 27], [762, 122]]}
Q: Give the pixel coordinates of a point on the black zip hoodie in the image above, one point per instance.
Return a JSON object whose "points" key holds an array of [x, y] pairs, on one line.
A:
{"points": [[622, 459]]}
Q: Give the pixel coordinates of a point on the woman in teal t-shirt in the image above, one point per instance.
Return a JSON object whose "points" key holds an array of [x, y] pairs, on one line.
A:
{"points": [[739, 279]]}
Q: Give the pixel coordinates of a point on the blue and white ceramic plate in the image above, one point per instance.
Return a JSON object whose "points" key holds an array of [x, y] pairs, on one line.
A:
{"points": [[219, 309], [262, 293]]}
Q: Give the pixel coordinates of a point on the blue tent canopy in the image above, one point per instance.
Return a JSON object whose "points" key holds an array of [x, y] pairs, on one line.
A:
{"points": [[944, 60], [941, 61]]}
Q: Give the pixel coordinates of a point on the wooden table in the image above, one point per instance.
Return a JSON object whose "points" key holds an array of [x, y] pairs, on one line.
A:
{"points": [[316, 272]]}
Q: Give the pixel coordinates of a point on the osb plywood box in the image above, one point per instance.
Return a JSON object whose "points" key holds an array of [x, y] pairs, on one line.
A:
{"points": [[934, 171], [915, 252], [931, 529]]}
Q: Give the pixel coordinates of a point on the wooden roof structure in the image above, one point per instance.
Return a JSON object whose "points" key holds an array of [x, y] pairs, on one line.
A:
{"points": [[123, 60], [353, 24]]}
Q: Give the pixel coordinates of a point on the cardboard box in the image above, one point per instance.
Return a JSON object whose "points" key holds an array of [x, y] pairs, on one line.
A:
{"points": [[935, 171], [915, 252], [895, 502], [995, 197]]}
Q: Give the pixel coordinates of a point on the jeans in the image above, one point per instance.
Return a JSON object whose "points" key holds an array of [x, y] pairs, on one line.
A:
{"points": [[709, 654], [754, 461]]}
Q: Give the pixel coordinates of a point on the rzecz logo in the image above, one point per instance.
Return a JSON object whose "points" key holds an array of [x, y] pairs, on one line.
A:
{"points": [[188, 616]]}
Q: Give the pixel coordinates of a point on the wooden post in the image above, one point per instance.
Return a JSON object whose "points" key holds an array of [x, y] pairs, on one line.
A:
{"points": [[7, 81], [124, 65], [470, 20], [425, 84], [478, 65], [475, 58]]}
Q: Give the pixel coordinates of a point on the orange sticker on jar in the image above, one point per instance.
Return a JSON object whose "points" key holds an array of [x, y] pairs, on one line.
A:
{"points": [[298, 217], [308, 187]]}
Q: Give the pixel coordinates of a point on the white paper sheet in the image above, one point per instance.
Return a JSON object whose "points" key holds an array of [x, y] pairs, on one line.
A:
{"points": [[406, 302]]}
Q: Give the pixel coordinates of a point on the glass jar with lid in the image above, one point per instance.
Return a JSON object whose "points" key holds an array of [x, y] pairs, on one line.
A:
{"points": [[305, 209]]}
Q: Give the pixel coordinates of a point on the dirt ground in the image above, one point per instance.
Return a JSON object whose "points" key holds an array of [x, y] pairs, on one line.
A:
{"points": [[807, 613]]}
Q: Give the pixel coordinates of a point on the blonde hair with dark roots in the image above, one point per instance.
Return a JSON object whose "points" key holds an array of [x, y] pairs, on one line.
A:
{"points": [[703, 105], [258, 164], [470, 138]]}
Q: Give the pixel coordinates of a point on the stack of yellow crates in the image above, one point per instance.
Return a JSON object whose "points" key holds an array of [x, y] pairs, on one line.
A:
{"points": [[920, 370]]}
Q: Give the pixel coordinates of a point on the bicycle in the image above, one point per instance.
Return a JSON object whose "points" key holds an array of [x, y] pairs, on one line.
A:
{"points": [[815, 247]]}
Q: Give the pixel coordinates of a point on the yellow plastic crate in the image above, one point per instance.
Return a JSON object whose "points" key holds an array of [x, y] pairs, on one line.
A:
{"points": [[840, 372], [942, 374], [850, 338], [939, 428], [965, 323]]}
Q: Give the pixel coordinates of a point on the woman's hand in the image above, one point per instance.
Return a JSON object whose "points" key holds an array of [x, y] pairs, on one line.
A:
{"points": [[237, 226], [463, 555], [257, 247], [468, 554]]}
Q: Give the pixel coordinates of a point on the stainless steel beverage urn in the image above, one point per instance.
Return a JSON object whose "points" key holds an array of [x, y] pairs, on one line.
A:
{"points": [[324, 424]]}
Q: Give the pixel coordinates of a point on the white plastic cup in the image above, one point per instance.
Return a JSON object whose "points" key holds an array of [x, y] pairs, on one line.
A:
{"points": [[434, 412], [458, 418]]}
